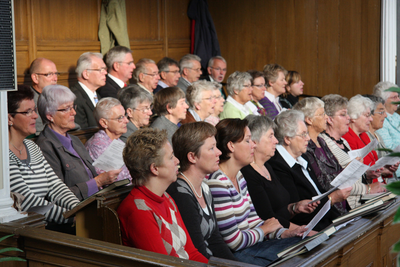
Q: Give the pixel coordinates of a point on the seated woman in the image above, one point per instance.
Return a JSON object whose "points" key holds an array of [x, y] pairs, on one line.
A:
{"points": [[239, 90], [338, 125], [170, 106], [322, 161], [30, 173], [258, 85], [390, 132], [242, 229], [378, 118], [218, 108], [149, 217], [65, 153], [269, 196], [201, 101], [294, 89], [359, 109], [110, 117], [291, 166], [275, 82], [195, 146], [137, 103]]}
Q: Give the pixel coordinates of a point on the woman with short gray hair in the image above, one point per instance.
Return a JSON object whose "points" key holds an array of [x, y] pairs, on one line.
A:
{"points": [[239, 90], [65, 153], [292, 167], [110, 116], [390, 132], [201, 101], [137, 103], [324, 164], [269, 196]]}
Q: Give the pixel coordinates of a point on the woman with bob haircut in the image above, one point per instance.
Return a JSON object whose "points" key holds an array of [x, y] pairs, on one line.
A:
{"points": [[111, 119], [338, 125], [276, 85], [294, 89], [242, 229], [292, 167], [201, 100], [324, 164], [239, 90], [170, 106], [270, 198], [65, 153], [30, 173], [149, 217], [195, 147]]}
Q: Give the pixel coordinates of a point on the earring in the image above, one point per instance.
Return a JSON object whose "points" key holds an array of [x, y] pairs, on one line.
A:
{"points": [[11, 124]]}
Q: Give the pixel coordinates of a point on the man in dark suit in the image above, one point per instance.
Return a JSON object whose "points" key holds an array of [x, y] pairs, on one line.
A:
{"points": [[120, 67], [216, 72], [190, 71], [146, 74], [91, 72], [169, 73]]}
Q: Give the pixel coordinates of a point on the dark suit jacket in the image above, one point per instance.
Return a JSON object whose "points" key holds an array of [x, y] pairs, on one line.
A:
{"points": [[299, 188], [110, 89], [68, 167], [84, 110], [158, 88]]}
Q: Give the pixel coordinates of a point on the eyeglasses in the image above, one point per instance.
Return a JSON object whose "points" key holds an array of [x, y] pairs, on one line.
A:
{"points": [[219, 69], [127, 63], [50, 74], [172, 71], [303, 135], [322, 114], [119, 119], [67, 109], [218, 97], [151, 74], [379, 113], [99, 70], [209, 98], [27, 113], [247, 85], [198, 70], [367, 115], [341, 115], [145, 110], [259, 85]]}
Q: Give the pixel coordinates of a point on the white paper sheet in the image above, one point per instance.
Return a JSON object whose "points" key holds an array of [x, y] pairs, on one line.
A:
{"points": [[382, 162], [362, 152], [350, 174], [317, 218], [111, 159]]}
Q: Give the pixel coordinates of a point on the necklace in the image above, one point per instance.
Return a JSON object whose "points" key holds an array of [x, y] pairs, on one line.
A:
{"points": [[263, 172], [191, 186], [19, 150]]}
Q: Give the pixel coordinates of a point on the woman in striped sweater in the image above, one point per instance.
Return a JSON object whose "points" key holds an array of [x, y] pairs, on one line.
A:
{"points": [[250, 238], [30, 174]]}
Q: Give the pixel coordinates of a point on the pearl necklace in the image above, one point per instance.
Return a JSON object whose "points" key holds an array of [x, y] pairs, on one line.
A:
{"points": [[192, 187]]}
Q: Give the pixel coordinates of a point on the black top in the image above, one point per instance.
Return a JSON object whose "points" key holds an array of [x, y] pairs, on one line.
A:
{"points": [[270, 198], [299, 188], [202, 227], [289, 101]]}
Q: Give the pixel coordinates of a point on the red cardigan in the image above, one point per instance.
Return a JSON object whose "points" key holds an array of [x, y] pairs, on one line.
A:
{"points": [[153, 223]]}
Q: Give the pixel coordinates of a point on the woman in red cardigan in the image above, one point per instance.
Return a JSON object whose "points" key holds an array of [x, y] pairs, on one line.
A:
{"points": [[359, 110]]}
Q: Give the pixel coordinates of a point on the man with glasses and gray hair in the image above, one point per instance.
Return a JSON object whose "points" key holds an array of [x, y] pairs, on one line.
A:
{"points": [[216, 72], [43, 72], [120, 67], [169, 73], [146, 74], [91, 72], [190, 71]]}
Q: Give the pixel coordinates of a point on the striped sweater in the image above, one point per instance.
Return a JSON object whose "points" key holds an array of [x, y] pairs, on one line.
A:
{"points": [[237, 219], [37, 182]]}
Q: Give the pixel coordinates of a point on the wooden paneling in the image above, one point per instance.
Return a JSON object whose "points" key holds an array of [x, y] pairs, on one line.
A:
{"points": [[62, 30], [333, 44]]}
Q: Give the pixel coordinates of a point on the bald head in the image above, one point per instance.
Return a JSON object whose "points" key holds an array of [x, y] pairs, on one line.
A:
{"points": [[43, 72]]}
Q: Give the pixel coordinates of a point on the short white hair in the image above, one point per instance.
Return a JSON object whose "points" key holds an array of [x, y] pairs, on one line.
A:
{"points": [[359, 104]]}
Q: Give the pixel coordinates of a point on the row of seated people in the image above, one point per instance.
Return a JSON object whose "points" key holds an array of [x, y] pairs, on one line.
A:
{"points": [[310, 154]]}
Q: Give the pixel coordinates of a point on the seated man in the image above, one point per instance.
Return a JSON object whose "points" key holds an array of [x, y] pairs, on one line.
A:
{"points": [[216, 72], [146, 74], [169, 73], [43, 72], [190, 71], [120, 66], [91, 72], [149, 217]]}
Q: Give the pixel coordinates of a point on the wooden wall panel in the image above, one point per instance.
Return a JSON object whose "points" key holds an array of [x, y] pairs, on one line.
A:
{"points": [[143, 19], [333, 44]]}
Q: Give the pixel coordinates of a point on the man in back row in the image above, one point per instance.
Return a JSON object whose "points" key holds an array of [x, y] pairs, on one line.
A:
{"points": [[146, 74], [169, 73], [120, 67], [190, 71], [216, 72]]}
